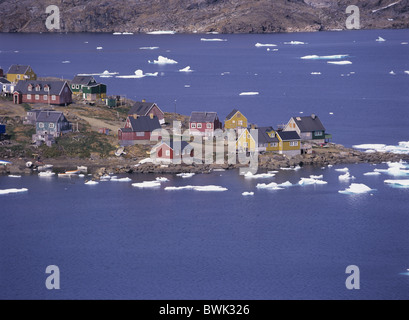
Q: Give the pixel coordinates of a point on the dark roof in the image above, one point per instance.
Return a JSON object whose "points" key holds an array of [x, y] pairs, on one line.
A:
{"points": [[4, 80], [18, 69], [309, 124], [55, 87], [170, 144], [203, 117], [141, 108], [263, 137], [49, 116], [83, 80], [231, 114], [288, 135], [144, 124]]}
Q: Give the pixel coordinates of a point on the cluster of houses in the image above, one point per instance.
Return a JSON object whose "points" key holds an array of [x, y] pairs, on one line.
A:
{"points": [[294, 138]]}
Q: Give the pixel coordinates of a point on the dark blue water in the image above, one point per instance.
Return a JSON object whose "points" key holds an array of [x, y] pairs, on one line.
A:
{"points": [[112, 241], [369, 106]]}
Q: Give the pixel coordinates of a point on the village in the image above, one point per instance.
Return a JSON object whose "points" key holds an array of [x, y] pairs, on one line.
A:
{"points": [[49, 103]]}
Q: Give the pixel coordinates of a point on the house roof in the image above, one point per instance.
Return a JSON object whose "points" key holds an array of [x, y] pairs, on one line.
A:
{"points": [[4, 80], [55, 87], [231, 114], [288, 135], [83, 80], [170, 144], [263, 136], [144, 124], [49, 116], [309, 124], [141, 108], [18, 69], [203, 117]]}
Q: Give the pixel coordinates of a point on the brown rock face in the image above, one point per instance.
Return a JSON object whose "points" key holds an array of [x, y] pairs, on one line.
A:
{"points": [[225, 16]]}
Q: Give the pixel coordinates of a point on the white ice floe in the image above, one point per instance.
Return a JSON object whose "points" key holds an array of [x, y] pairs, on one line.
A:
{"points": [[185, 175], [81, 175], [249, 175], [394, 171], [346, 177], [213, 40], [105, 74], [117, 33], [285, 184], [46, 174], [210, 188], [100, 48], [405, 43], [407, 72], [310, 181], [148, 48], [392, 73], [380, 39], [296, 168], [91, 183], [317, 177], [401, 148], [356, 188], [333, 57], [341, 63], [161, 32], [249, 93], [162, 179], [14, 176], [127, 33], [121, 179], [147, 184], [138, 74], [265, 45], [66, 61], [374, 173], [295, 42], [316, 73], [270, 186], [342, 170], [187, 69], [247, 194], [163, 60], [12, 190], [398, 183]]}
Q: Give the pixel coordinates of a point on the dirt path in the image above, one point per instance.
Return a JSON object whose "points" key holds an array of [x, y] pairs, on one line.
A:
{"points": [[96, 123], [8, 108]]}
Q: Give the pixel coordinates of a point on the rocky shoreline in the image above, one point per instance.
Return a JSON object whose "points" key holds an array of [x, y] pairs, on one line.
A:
{"points": [[322, 156]]}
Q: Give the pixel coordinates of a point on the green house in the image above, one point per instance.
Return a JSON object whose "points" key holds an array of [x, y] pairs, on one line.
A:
{"points": [[94, 92], [79, 82]]}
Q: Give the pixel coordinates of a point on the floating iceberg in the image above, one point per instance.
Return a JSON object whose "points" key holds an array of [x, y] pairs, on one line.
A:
{"points": [[46, 174], [341, 63], [392, 73], [213, 40], [147, 184], [285, 184], [163, 60], [148, 48], [407, 72], [317, 177], [13, 190], [161, 32], [249, 175], [292, 168], [405, 43], [91, 183], [117, 33], [187, 69], [247, 194], [346, 177], [121, 179], [295, 42], [13, 176], [100, 48], [356, 188], [270, 186], [185, 175], [398, 183], [342, 170], [249, 93], [105, 74], [138, 74], [374, 173], [66, 61], [380, 39], [401, 148], [310, 181], [210, 188], [162, 179], [316, 73], [265, 45], [315, 57]]}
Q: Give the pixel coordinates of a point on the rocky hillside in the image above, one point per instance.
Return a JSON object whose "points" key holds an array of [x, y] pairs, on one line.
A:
{"points": [[225, 16]]}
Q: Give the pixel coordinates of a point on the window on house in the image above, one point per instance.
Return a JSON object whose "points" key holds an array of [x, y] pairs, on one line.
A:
{"points": [[240, 122], [199, 126], [37, 88], [140, 134], [193, 126], [18, 76], [167, 153], [209, 126], [29, 96], [30, 88], [37, 97], [245, 144], [318, 133], [51, 126], [78, 86], [294, 144], [234, 121], [46, 89], [53, 97], [41, 125], [73, 86], [45, 97], [274, 145]]}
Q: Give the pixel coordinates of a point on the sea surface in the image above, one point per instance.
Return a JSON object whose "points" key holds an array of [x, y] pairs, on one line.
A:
{"points": [[115, 241]]}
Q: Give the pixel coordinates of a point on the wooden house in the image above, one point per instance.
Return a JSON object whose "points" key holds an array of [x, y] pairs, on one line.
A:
{"points": [[235, 120], [52, 122], [32, 115], [88, 88], [309, 128], [147, 109], [167, 151], [138, 130], [45, 92], [266, 140], [204, 123], [4, 85], [19, 72], [289, 143], [245, 141]]}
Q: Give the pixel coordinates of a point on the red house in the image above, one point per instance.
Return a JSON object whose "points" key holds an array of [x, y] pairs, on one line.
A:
{"points": [[138, 130], [165, 151], [147, 109], [46, 92], [204, 123]]}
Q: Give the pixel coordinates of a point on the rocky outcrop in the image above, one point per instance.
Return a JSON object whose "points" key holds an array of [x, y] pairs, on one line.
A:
{"points": [[225, 16]]}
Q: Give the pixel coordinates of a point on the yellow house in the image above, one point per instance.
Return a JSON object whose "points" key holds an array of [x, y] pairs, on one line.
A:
{"points": [[235, 120], [19, 72], [245, 142], [289, 143], [267, 139]]}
